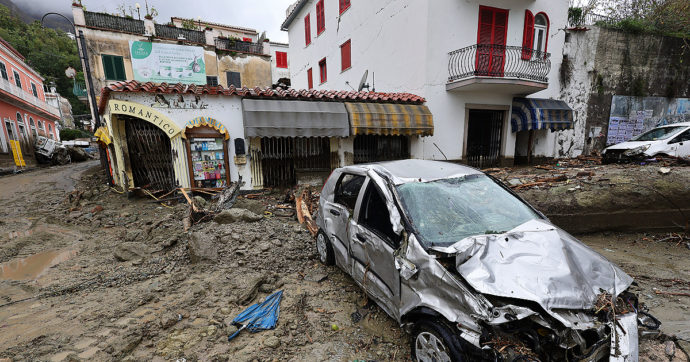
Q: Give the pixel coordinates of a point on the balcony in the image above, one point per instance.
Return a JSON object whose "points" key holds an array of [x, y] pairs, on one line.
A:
{"points": [[175, 33], [112, 22], [498, 69], [21, 98], [234, 45]]}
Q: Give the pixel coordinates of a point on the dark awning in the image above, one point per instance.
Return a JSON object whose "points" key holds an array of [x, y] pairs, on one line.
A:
{"points": [[278, 118], [539, 113], [390, 119]]}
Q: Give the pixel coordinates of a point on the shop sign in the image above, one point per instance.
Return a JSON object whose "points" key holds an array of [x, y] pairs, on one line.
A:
{"points": [[171, 63], [146, 113], [208, 121]]}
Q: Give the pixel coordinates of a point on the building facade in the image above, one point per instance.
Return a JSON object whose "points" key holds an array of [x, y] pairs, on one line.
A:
{"points": [[280, 64], [24, 112], [184, 50], [472, 61]]}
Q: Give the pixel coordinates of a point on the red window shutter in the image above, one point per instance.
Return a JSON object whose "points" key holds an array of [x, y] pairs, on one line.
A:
{"points": [[346, 54], [307, 30], [310, 79], [323, 71], [281, 59], [247, 39], [344, 5], [528, 35], [320, 18], [486, 21]]}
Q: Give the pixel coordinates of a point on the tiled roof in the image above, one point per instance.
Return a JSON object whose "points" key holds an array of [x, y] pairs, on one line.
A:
{"points": [[134, 86]]}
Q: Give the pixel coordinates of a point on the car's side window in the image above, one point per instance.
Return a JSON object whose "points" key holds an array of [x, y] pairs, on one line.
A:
{"points": [[375, 216], [683, 137], [347, 189]]}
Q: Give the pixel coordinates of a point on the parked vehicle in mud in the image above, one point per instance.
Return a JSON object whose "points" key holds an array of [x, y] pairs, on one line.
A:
{"points": [[51, 151], [471, 270], [670, 140]]}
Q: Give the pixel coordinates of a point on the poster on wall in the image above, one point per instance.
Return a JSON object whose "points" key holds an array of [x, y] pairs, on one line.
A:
{"points": [[170, 63], [631, 116]]}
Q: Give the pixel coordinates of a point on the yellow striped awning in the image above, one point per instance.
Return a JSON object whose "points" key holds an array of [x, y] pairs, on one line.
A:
{"points": [[390, 119]]}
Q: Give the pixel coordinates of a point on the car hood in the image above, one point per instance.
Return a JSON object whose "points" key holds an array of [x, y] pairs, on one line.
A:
{"points": [[630, 145], [538, 262]]}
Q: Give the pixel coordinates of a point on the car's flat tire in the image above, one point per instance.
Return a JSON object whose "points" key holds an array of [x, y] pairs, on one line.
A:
{"points": [[433, 341], [324, 248]]}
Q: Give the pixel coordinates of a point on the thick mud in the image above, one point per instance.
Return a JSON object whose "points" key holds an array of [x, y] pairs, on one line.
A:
{"points": [[102, 277]]}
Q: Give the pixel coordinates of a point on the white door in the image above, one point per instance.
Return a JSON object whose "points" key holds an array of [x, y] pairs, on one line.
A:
{"points": [[680, 144]]}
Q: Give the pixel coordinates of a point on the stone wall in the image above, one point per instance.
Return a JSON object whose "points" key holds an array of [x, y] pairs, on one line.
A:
{"points": [[605, 62]]}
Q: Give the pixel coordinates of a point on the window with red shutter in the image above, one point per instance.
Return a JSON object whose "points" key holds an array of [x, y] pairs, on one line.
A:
{"points": [[322, 70], [344, 5], [527, 35], [345, 55], [247, 39], [491, 41], [307, 30], [281, 60], [310, 79], [320, 18]]}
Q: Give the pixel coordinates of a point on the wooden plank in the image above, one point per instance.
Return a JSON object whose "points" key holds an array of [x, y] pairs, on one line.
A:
{"points": [[189, 200]]}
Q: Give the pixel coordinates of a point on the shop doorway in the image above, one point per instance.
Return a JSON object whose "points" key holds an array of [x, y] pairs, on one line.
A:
{"points": [[484, 138], [282, 158], [150, 155], [375, 148]]}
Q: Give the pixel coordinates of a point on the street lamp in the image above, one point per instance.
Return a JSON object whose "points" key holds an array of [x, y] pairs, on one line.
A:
{"points": [[198, 20], [138, 11]]}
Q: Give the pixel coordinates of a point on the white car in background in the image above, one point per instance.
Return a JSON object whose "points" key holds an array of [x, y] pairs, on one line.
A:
{"points": [[670, 140]]}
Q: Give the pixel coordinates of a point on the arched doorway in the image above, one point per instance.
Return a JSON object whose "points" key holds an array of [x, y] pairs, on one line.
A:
{"points": [[150, 155]]}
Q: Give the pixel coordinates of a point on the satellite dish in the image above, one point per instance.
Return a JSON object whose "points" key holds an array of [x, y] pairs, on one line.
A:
{"points": [[362, 83], [70, 72]]}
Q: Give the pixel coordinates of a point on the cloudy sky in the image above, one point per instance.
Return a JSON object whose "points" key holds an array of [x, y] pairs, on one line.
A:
{"points": [[258, 14]]}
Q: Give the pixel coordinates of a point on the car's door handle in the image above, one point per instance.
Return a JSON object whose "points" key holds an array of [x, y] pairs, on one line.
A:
{"points": [[335, 212], [361, 238]]}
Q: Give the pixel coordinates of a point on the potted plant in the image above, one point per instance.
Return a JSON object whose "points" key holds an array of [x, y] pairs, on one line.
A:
{"points": [[77, 3]]}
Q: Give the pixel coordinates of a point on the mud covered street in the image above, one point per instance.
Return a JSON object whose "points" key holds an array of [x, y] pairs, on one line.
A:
{"points": [[93, 275]]}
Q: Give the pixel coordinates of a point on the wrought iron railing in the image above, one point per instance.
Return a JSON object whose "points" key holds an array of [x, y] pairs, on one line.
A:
{"points": [[112, 22], [235, 45], [79, 89], [489, 60], [579, 20], [171, 32]]}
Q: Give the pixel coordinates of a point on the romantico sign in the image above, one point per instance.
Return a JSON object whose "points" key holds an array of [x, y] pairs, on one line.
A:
{"points": [[146, 113]]}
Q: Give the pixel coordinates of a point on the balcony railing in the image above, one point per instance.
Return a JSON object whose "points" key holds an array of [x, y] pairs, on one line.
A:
{"points": [[171, 32], [27, 97], [582, 20], [112, 22], [234, 45], [489, 60]]}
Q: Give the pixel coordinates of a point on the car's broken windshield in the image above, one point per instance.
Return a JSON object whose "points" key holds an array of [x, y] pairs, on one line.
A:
{"points": [[657, 134], [446, 211]]}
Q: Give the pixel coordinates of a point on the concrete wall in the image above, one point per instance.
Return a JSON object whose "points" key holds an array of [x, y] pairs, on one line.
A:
{"points": [[404, 44], [255, 71], [607, 62]]}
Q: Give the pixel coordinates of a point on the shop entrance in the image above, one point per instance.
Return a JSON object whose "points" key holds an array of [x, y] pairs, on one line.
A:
{"points": [[150, 155], [375, 148], [282, 158], [484, 138]]}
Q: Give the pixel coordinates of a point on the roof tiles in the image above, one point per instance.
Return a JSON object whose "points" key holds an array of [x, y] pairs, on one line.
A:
{"points": [[134, 86]]}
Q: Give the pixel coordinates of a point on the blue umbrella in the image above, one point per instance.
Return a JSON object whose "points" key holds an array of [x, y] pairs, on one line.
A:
{"points": [[260, 316]]}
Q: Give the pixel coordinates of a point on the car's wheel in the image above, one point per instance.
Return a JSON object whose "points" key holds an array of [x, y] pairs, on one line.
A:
{"points": [[324, 248], [434, 342]]}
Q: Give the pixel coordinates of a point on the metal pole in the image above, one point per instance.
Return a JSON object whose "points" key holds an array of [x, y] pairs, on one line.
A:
{"points": [[89, 81]]}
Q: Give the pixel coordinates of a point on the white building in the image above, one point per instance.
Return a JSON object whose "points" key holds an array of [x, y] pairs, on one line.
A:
{"points": [[471, 60], [280, 62]]}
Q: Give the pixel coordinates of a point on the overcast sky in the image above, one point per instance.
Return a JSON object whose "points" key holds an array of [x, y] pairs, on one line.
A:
{"points": [[257, 14]]}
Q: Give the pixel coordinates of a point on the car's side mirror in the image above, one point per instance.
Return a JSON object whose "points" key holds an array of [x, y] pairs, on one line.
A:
{"points": [[407, 268]]}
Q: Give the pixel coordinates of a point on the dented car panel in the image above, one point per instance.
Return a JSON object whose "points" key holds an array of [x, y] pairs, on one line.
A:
{"points": [[502, 271]]}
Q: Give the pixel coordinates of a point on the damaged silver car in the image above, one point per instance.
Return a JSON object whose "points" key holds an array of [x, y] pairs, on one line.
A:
{"points": [[472, 271]]}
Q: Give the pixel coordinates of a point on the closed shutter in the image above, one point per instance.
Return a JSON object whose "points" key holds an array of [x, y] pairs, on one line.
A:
{"points": [[323, 71], [307, 30], [491, 41], [247, 39], [344, 5], [281, 60], [345, 55], [113, 67], [320, 17], [108, 67], [528, 35], [499, 42], [310, 79]]}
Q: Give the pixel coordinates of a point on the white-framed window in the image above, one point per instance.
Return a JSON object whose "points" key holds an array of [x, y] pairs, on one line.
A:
{"points": [[541, 28], [34, 90], [32, 125], [17, 79], [4, 142]]}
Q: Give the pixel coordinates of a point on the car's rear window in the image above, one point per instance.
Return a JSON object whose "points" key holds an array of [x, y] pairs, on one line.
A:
{"points": [[446, 211], [657, 134]]}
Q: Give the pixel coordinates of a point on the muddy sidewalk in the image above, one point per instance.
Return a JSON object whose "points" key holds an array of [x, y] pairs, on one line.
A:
{"points": [[91, 275]]}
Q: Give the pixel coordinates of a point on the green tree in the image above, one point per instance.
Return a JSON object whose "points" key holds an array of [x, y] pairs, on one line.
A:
{"points": [[47, 51]]}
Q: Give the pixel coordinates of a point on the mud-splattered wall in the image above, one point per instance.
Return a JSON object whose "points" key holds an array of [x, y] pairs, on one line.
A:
{"points": [[601, 63]]}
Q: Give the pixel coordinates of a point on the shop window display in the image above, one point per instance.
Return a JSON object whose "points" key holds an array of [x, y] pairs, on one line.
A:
{"points": [[207, 155]]}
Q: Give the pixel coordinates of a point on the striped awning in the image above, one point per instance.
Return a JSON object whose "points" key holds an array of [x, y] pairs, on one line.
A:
{"points": [[390, 119], [539, 113]]}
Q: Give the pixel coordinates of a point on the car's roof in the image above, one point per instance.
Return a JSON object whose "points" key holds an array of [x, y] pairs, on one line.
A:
{"points": [[403, 171], [680, 124]]}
